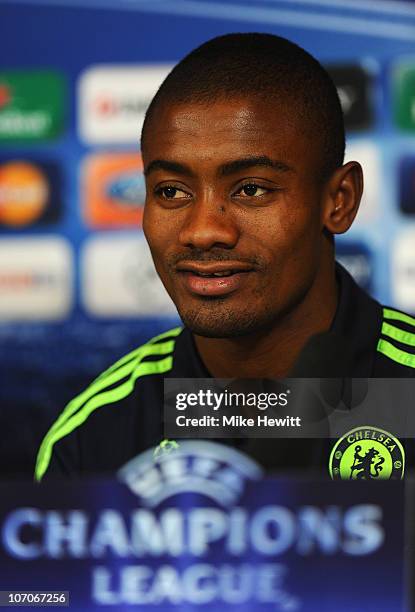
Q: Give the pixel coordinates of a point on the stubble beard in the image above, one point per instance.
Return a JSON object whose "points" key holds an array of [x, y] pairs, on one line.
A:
{"points": [[214, 319]]}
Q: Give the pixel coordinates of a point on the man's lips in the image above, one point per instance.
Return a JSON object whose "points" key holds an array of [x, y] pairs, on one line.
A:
{"points": [[214, 278]]}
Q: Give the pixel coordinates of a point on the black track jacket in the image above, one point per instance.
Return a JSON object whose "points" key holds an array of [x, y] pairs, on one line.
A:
{"points": [[120, 414]]}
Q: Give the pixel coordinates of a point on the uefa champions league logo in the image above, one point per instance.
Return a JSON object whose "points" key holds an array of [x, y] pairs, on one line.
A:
{"points": [[204, 468]]}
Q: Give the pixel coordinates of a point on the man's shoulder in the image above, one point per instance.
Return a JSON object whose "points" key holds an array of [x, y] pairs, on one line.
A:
{"points": [[153, 357], [396, 344], [106, 405]]}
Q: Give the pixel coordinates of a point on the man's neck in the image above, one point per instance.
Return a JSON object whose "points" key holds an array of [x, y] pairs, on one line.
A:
{"points": [[271, 353]]}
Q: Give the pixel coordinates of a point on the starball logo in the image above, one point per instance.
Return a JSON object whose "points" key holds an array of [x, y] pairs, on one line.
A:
{"points": [[203, 468]]}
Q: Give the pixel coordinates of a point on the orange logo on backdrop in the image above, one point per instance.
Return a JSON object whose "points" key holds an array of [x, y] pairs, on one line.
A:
{"points": [[24, 193], [113, 190], [5, 95]]}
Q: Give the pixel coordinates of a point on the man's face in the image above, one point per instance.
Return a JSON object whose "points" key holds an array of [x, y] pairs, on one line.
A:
{"points": [[232, 213]]}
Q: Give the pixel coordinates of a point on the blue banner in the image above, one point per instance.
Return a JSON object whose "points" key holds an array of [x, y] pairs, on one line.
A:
{"points": [[201, 529]]}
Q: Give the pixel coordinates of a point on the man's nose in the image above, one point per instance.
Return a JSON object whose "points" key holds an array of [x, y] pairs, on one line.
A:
{"points": [[209, 223]]}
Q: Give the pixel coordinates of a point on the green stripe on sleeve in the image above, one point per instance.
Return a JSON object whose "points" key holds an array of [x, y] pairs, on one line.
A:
{"points": [[388, 313], [171, 333], [106, 397], [167, 334], [398, 334], [93, 388], [102, 382], [396, 354]]}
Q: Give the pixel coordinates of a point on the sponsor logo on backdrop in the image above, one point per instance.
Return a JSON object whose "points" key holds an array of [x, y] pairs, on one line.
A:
{"points": [[407, 185], [354, 86], [368, 156], [35, 278], [404, 94], [29, 193], [31, 105], [403, 271], [113, 190], [24, 193], [119, 278], [357, 259], [113, 101], [367, 453]]}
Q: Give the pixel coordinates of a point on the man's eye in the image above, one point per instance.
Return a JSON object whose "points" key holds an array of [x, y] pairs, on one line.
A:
{"points": [[172, 193], [251, 190]]}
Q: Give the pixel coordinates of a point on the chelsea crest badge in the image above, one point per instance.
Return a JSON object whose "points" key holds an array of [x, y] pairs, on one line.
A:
{"points": [[367, 453]]}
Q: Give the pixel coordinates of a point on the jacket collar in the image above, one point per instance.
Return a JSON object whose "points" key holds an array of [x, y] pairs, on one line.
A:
{"points": [[358, 319]]}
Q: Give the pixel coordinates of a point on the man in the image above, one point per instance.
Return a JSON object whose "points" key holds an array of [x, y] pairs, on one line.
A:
{"points": [[243, 150]]}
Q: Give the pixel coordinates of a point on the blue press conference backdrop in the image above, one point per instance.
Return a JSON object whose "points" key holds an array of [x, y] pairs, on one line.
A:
{"points": [[77, 287]]}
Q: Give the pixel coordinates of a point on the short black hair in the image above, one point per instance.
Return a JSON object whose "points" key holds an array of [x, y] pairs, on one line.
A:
{"points": [[262, 66]]}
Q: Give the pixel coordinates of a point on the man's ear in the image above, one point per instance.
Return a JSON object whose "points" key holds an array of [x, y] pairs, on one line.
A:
{"points": [[342, 197]]}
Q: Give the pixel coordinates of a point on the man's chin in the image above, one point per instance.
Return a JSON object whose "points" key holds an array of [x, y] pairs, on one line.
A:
{"points": [[228, 325]]}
